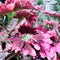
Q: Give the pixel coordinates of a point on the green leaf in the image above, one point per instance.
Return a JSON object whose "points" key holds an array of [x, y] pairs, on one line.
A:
{"points": [[38, 2], [58, 1], [11, 15], [27, 37], [44, 17]]}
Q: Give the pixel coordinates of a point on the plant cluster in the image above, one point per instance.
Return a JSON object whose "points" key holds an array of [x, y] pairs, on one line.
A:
{"points": [[24, 32]]}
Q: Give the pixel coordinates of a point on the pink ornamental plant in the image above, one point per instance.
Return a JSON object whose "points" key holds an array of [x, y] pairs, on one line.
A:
{"points": [[25, 39]]}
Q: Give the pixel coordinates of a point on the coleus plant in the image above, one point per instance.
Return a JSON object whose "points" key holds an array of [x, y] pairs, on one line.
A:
{"points": [[19, 35]]}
